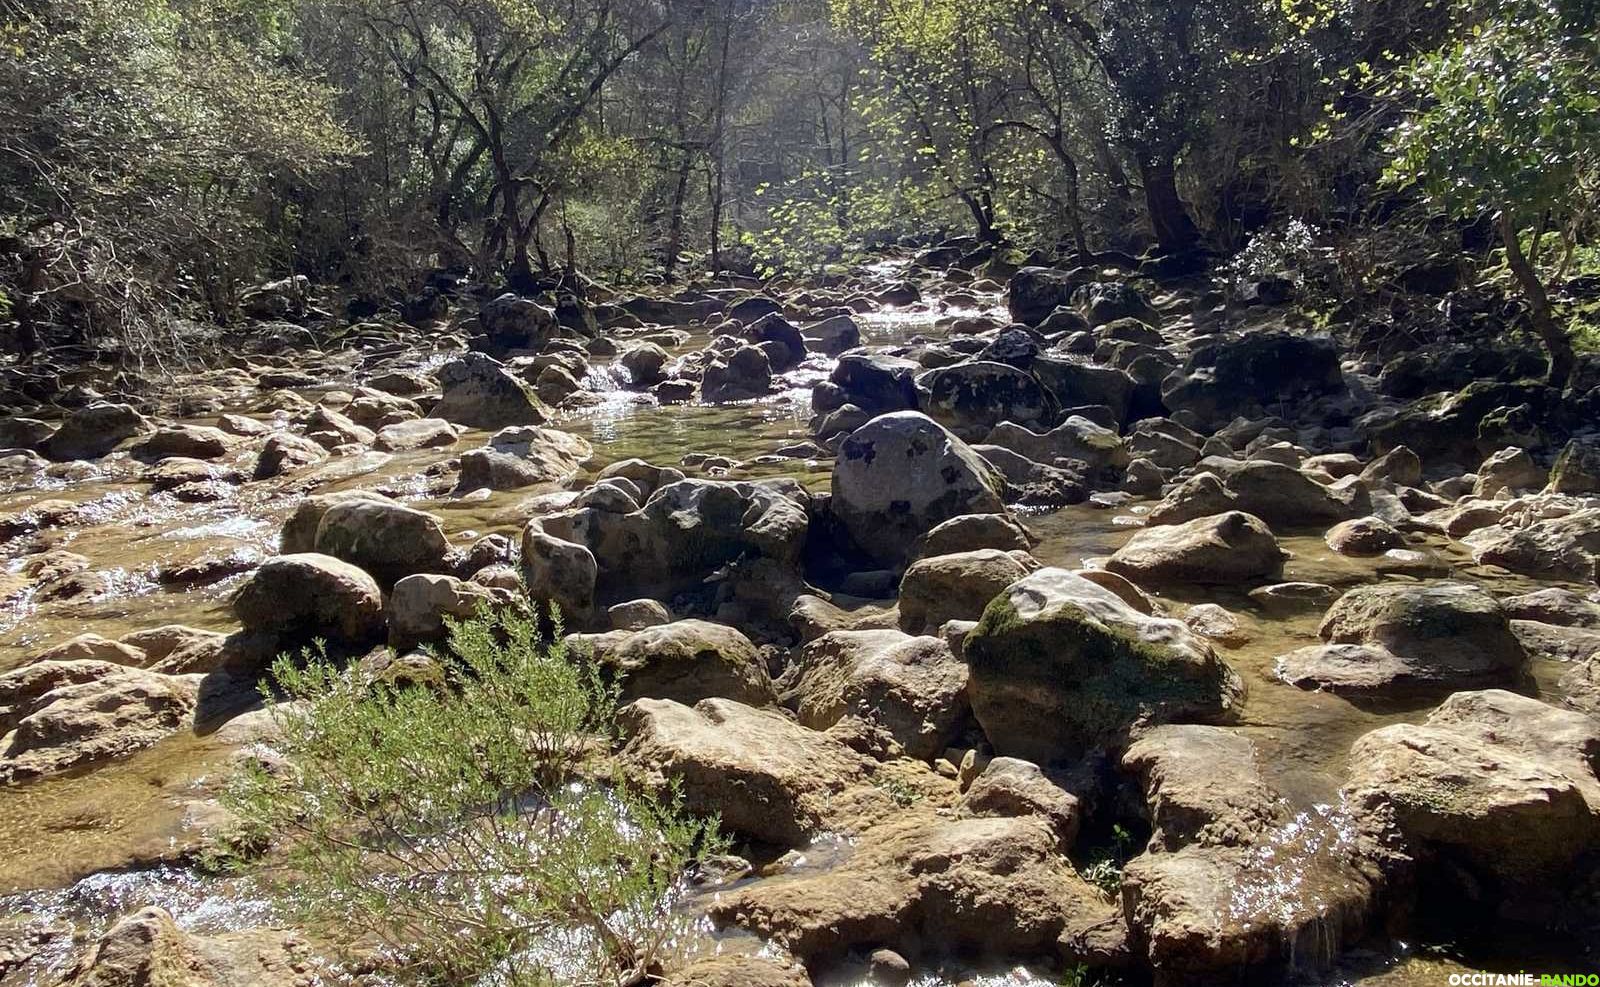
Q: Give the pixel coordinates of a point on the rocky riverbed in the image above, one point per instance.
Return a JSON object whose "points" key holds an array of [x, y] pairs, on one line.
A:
{"points": [[1017, 623]]}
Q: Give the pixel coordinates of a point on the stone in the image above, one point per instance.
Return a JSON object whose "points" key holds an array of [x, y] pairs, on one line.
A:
{"points": [[59, 715], [687, 661], [834, 336], [422, 433], [745, 373], [636, 615], [955, 587], [1224, 548], [1253, 374], [522, 456], [1577, 468], [186, 441], [1566, 546], [285, 451], [481, 393], [645, 363], [1277, 494], [972, 398], [388, 540], [900, 475], [419, 604], [970, 532], [1060, 665], [330, 429], [1033, 293], [1011, 787], [900, 695], [767, 777], [514, 322], [739, 970], [1511, 470], [148, 949], [93, 431], [311, 595], [559, 573], [1364, 536], [875, 382], [1203, 786]]}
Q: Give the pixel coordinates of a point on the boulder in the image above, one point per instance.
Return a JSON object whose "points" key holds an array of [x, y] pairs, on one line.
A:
{"points": [[521, 457], [419, 604], [1277, 494], [388, 540], [1577, 468], [59, 715], [1229, 548], [834, 336], [513, 322], [186, 441], [422, 433], [883, 692], [1075, 383], [790, 346], [875, 382], [955, 587], [1364, 536], [687, 661], [1253, 375], [1077, 438], [1566, 546], [1203, 786], [970, 532], [1060, 665], [91, 432], [480, 393], [1011, 787], [299, 532], [285, 451], [559, 573], [645, 363], [311, 595], [1511, 470], [972, 398], [900, 475], [1033, 293]]}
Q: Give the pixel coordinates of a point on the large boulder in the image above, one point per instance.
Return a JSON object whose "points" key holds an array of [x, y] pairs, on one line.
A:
{"points": [[513, 322], [1061, 665], [388, 540], [972, 398], [687, 661], [1385, 638], [1277, 494], [1076, 384], [1104, 302], [1577, 468], [1494, 795], [559, 573], [901, 474], [149, 949], [876, 382], [419, 433], [1253, 375], [788, 346], [765, 776], [91, 432], [1226, 548], [1566, 546], [311, 595], [883, 692], [285, 451], [645, 363], [956, 587], [59, 715], [1035, 292], [1077, 438], [481, 393], [522, 456], [741, 375], [419, 605]]}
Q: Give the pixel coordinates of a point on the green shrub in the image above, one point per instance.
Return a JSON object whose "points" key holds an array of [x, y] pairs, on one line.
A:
{"points": [[460, 825]]}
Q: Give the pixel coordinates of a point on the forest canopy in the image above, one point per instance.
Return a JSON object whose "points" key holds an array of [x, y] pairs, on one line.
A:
{"points": [[158, 157]]}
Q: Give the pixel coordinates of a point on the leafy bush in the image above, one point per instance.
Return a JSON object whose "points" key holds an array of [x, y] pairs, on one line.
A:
{"points": [[457, 824]]}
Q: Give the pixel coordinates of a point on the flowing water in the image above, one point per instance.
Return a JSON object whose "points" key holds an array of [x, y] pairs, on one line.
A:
{"points": [[86, 847]]}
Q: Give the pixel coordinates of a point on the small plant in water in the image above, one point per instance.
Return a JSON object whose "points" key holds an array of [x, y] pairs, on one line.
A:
{"points": [[454, 824]]}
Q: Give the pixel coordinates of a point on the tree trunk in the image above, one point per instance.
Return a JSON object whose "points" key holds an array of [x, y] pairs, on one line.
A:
{"points": [[1557, 346], [1169, 217], [675, 226]]}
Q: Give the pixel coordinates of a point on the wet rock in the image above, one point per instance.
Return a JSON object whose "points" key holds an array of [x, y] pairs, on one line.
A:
{"points": [[972, 398], [1565, 546], [423, 433], [57, 715], [1104, 302], [480, 393], [970, 532], [1011, 787], [91, 432], [1034, 484], [179, 650], [24, 433], [148, 949], [1580, 687], [1296, 597], [1577, 468], [1203, 786], [994, 886], [1492, 783], [1555, 643], [955, 587], [899, 476], [1554, 605], [285, 451], [185, 441], [773, 328], [875, 382], [1060, 665], [745, 373], [768, 777], [1074, 439], [1224, 548], [521, 457], [1386, 638], [388, 540], [645, 363], [94, 647], [311, 595], [559, 573], [686, 661], [419, 604], [900, 695], [330, 429], [1364, 536]]}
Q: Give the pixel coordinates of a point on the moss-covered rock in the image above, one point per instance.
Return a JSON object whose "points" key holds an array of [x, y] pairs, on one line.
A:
{"points": [[1060, 665]]}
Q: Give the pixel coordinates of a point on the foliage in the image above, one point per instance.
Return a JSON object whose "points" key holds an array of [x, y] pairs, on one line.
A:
{"points": [[1104, 869], [457, 825]]}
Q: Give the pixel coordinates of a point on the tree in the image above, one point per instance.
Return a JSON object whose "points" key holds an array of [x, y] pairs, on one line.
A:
{"points": [[1508, 122]]}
